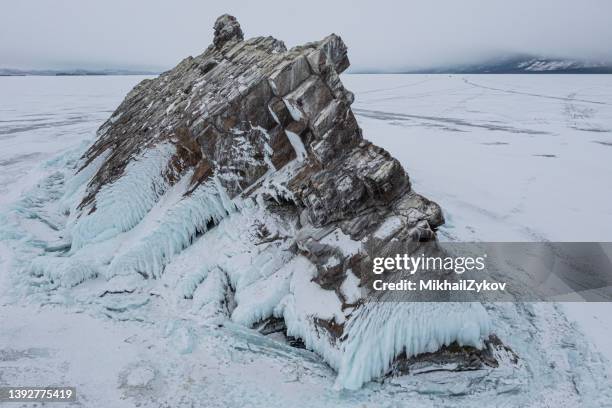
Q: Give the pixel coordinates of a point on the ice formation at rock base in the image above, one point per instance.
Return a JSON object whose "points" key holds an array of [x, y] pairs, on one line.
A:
{"points": [[241, 181]]}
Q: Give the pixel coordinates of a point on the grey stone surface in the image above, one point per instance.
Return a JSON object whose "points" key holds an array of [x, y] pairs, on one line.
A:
{"points": [[258, 88]]}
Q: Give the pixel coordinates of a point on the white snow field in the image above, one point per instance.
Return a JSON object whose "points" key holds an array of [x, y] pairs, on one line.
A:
{"points": [[508, 157]]}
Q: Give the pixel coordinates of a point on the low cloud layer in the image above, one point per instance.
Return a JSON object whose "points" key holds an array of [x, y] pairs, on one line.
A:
{"points": [[382, 35]]}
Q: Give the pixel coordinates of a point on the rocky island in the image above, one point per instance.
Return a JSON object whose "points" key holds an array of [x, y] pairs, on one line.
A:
{"points": [[242, 181]]}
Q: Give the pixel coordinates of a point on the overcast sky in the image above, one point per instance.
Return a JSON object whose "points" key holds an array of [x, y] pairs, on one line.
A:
{"points": [[380, 34]]}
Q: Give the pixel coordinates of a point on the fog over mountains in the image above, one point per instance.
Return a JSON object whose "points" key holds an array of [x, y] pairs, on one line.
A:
{"points": [[509, 64], [523, 64], [74, 72]]}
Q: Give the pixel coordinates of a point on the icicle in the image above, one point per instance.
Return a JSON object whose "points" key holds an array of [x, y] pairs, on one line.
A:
{"points": [[379, 332], [121, 205], [174, 232]]}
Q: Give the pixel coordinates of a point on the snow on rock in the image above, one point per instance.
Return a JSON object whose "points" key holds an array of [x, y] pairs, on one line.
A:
{"points": [[296, 143], [258, 300], [238, 186], [350, 288], [210, 298], [389, 227], [306, 303], [339, 239]]}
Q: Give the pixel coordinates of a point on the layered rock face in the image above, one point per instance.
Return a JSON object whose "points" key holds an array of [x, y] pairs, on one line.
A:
{"points": [[247, 108], [242, 178]]}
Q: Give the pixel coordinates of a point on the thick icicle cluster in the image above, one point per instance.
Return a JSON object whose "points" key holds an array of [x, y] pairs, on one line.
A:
{"points": [[242, 180]]}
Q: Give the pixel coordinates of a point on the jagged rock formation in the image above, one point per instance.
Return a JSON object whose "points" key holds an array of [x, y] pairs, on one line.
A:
{"points": [[243, 179]]}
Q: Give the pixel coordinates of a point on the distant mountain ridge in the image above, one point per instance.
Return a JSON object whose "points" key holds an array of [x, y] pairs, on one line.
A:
{"points": [[73, 72], [516, 64], [525, 64]]}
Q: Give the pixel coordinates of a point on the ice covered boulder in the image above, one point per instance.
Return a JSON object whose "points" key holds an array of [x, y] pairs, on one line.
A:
{"points": [[242, 180]]}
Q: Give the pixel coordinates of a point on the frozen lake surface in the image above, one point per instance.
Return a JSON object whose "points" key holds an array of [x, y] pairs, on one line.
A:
{"points": [[508, 157]]}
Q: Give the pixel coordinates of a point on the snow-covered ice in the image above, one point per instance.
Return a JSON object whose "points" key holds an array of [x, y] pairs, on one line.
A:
{"points": [[509, 158]]}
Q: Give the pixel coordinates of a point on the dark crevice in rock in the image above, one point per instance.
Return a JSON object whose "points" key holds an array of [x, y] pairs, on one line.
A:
{"points": [[274, 325], [271, 325]]}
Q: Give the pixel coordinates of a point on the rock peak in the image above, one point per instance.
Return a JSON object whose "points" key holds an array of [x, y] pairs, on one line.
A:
{"points": [[227, 28]]}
